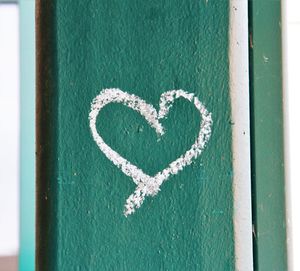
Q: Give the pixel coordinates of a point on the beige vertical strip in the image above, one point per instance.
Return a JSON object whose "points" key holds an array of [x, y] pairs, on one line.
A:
{"points": [[239, 91]]}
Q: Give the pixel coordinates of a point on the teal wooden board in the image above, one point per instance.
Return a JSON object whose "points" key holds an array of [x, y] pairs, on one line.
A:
{"points": [[144, 48], [27, 136], [269, 211]]}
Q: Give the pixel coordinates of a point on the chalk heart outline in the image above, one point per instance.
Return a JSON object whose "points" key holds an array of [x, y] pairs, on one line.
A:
{"points": [[149, 185]]}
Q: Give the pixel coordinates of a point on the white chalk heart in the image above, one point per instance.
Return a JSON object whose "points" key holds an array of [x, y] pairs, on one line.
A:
{"points": [[149, 185]]}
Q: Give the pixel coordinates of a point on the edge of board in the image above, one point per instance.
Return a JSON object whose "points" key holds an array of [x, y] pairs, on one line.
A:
{"points": [[239, 92]]}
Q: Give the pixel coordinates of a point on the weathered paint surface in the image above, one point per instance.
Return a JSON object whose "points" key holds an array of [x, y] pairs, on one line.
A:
{"points": [[270, 250], [145, 48]]}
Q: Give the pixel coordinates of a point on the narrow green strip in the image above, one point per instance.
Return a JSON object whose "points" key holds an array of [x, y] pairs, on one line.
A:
{"points": [[27, 170], [267, 136]]}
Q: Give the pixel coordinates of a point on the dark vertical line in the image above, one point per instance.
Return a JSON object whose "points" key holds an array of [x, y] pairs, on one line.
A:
{"points": [[252, 134], [46, 135]]}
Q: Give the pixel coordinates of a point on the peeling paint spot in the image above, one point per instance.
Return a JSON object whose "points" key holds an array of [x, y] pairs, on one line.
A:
{"points": [[266, 59]]}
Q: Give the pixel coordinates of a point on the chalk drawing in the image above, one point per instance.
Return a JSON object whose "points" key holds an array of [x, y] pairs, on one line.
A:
{"points": [[149, 185]]}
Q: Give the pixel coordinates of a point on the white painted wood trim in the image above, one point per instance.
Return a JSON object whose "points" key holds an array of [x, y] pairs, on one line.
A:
{"points": [[239, 91]]}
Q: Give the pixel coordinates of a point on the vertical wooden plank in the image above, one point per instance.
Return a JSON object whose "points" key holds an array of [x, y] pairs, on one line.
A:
{"points": [[143, 48], [27, 118], [267, 136]]}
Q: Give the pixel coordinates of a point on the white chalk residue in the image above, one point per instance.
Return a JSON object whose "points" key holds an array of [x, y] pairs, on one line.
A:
{"points": [[149, 185]]}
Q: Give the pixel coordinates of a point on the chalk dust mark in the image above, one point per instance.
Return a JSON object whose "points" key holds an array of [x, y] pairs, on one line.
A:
{"points": [[149, 185]]}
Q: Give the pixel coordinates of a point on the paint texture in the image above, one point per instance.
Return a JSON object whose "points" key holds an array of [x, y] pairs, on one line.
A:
{"points": [[144, 48], [267, 135]]}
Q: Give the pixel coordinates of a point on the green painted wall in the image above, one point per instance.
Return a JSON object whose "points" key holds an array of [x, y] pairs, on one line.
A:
{"points": [[144, 48], [270, 251]]}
